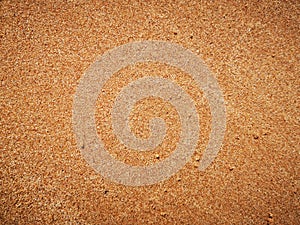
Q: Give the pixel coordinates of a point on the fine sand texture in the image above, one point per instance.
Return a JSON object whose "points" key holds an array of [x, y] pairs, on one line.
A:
{"points": [[83, 83]]}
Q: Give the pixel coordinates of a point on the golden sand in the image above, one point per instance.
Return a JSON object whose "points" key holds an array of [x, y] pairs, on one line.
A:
{"points": [[251, 47]]}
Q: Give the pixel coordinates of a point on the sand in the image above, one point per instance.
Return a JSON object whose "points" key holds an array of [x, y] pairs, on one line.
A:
{"points": [[250, 47]]}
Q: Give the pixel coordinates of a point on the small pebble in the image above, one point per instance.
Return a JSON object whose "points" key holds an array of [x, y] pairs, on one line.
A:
{"points": [[270, 219], [163, 214]]}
